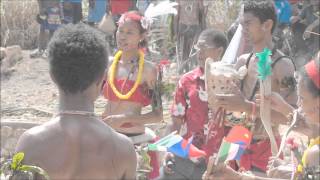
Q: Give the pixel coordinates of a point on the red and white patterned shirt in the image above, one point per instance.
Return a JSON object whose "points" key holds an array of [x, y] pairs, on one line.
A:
{"points": [[191, 104]]}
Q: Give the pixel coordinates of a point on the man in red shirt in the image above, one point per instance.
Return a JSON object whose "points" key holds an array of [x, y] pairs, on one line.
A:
{"points": [[190, 106]]}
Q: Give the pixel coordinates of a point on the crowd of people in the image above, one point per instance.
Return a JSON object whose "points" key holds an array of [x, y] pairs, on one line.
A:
{"points": [[79, 144]]}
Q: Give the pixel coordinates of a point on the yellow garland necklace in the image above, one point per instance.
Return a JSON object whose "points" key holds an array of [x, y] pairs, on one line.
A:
{"points": [[112, 73]]}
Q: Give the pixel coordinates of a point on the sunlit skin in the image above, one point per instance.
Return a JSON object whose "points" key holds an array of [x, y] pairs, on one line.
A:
{"points": [[310, 105], [128, 36], [254, 30], [208, 52], [119, 112], [260, 36]]}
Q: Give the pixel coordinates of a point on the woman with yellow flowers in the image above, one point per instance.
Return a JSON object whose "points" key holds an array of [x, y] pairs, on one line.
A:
{"points": [[309, 162], [309, 102], [132, 83]]}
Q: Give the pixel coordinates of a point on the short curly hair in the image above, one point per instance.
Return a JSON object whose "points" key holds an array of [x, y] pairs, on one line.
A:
{"points": [[263, 10], [214, 37], [78, 57]]}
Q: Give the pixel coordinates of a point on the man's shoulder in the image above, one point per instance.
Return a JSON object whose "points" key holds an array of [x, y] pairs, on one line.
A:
{"points": [[37, 133], [123, 147], [119, 140], [31, 141], [282, 61]]}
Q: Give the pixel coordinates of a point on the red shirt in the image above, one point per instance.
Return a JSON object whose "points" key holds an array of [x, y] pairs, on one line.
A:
{"points": [[191, 104], [119, 7]]}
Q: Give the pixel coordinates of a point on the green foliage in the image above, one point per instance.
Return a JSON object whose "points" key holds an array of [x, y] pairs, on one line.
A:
{"points": [[264, 64], [16, 167], [167, 89], [16, 161], [144, 167]]}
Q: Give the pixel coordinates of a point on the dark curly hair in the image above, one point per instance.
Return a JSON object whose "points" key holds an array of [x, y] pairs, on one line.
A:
{"points": [[78, 57], [214, 37], [262, 9]]}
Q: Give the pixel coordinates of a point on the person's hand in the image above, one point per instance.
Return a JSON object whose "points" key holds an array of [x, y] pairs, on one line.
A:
{"points": [[274, 162], [168, 163], [115, 121], [277, 168]]}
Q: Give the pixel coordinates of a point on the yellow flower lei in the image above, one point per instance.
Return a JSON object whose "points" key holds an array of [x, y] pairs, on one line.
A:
{"points": [[112, 73]]}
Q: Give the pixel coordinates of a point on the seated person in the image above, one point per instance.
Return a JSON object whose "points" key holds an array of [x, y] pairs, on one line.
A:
{"points": [[190, 112], [76, 144]]}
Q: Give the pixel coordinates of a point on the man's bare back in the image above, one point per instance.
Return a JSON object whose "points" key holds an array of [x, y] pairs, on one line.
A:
{"points": [[79, 148], [75, 144]]}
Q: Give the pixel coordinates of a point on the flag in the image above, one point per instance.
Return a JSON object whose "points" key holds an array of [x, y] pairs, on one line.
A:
{"points": [[239, 135], [178, 146], [165, 142], [230, 151], [234, 145]]}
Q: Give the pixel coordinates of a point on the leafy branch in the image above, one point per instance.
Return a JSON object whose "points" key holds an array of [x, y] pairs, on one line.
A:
{"points": [[15, 167]]}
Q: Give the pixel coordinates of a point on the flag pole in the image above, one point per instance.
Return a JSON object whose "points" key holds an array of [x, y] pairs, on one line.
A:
{"points": [[217, 158], [265, 70], [210, 166]]}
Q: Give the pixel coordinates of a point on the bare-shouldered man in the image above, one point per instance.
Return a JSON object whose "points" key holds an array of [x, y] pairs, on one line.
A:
{"points": [[76, 144], [258, 24]]}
